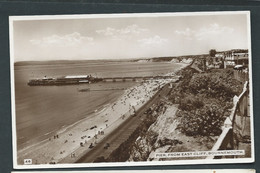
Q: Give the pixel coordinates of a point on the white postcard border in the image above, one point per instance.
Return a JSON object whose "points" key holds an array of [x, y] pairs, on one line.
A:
{"points": [[121, 164]]}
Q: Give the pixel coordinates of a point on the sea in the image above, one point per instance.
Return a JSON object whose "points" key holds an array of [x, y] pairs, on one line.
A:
{"points": [[41, 111]]}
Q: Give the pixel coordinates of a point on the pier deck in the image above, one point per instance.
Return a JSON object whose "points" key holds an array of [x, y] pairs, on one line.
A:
{"points": [[120, 79]]}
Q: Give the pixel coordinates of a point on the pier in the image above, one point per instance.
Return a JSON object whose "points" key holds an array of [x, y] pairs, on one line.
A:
{"points": [[123, 79], [75, 80]]}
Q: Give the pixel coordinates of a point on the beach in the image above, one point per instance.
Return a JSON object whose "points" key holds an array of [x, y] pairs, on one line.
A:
{"points": [[67, 144]]}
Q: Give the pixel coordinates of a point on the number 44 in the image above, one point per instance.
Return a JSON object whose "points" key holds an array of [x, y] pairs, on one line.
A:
{"points": [[27, 161]]}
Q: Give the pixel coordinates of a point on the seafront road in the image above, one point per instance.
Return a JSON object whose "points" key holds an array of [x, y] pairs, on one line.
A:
{"points": [[122, 133]]}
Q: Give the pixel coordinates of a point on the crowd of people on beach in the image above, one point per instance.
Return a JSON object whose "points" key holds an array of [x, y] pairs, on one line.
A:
{"points": [[66, 144]]}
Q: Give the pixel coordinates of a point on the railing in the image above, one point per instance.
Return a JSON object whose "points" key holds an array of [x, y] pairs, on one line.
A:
{"points": [[235, 124], [241, 76], [115, 79]]}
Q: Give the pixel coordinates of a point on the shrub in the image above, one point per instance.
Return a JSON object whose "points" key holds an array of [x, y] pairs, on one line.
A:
{"points": [[204, 101], [189, 103], [217, 85], [206, 121]]}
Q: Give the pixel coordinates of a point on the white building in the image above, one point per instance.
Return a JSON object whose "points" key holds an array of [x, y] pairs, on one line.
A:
{"points": [[235, 58]]}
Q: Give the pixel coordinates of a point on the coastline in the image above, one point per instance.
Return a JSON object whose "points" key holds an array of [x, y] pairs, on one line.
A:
{"points": [[77, 137]]}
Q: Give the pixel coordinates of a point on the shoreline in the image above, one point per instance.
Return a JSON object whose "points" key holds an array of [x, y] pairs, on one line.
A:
{"points": [[58, 130], [82, 133]]}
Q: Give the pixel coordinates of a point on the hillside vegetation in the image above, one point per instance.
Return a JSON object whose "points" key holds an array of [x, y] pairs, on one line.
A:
{"points": [[205, 100]]}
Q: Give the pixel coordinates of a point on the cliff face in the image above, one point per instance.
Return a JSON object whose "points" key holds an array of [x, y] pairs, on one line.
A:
{"points": [[163, 136], [160, 136], [145, 143]]}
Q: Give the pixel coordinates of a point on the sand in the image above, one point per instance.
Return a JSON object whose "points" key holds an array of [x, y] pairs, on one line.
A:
{"points": [[68, 143]]}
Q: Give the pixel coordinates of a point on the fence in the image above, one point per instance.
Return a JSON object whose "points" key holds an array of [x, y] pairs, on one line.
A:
{"points": [[236, 126], [241, 75]]}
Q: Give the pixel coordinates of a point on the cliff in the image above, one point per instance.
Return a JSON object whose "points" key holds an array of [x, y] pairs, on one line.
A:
{"points": [[163, 136], [193, 116]]}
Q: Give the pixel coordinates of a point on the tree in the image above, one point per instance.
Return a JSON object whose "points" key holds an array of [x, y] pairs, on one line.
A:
{"points": [[212, 52]]}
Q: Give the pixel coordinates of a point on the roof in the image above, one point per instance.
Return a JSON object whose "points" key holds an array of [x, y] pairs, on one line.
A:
{"points": [[77, 76]]}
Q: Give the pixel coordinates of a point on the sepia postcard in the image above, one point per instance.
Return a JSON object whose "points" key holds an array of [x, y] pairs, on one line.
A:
{"points": [[131, 89]]}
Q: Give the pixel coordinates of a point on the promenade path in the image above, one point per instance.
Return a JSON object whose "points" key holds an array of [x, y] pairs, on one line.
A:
{"points": [[121, 134]]}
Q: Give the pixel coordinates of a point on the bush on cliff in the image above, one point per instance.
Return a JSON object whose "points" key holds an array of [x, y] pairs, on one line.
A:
{"points": [[186, 75], [205, 121], [219, 85], [189, 103], [205, 100]]}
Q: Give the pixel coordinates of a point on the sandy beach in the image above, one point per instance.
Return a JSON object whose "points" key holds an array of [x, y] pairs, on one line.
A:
{"points": [[69, 142]]}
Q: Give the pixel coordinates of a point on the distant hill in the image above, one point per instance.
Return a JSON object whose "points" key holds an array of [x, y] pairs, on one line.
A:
{"points": [[178, 58], [170, 58], [58, 62], [152, 59]]}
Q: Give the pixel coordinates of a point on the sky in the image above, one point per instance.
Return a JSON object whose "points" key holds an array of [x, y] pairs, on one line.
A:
{"points": [[127, 37]]}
